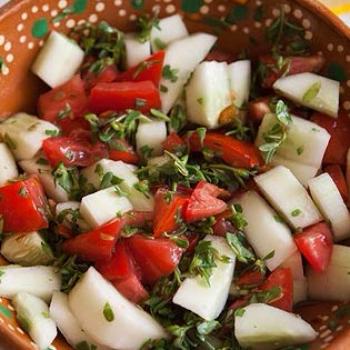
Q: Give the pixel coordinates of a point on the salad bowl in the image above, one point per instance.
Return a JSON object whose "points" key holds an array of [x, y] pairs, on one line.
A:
{"points": [[241, 27]]}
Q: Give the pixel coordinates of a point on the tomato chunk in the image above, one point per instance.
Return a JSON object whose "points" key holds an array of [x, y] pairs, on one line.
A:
{"points": [[155, 257], [174, 143], [203, 202], [97, 244], [122, 150], [339, 130], [220, 56], [107, 75], [336, 173], [23, 206], [132, 289], [253, 278], [167, 211], [121, 96], [149, 70], [66, 101], [315, 243], [236, 153], [281, 278], [257, 109]]}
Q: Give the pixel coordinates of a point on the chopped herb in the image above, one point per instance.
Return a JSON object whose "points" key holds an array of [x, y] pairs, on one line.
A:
{"points": [[23, 192], [201, 132], [236, 243], [52, 132], [109, 180], [239, 312], [296, 212], [45, 314], [144, 66], [143, 187], [178, 118], [108, 312], [42, 161], [300, 150], [266, 296], [84, 345], [170, 74], [159, 44], [237, 217], [146, 152], [9, 141], [163, 88], [277, 218], [145, 23], [159, 115], [312, 92], [120, 193], [65, 112], [200, 100], [68, 179], [140, 103], [3, 65]]}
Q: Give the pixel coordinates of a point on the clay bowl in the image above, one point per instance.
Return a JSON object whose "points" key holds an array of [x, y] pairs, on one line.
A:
{"points": [[24, 25]]}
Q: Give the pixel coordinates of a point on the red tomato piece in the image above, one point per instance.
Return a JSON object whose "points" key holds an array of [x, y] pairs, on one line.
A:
{"points": [[138, 218], [155, 257], [315, 243], [258, 108], [97, 244], [339, 130], [173, 143], [203, 202], [68, 124], [72, 151], [121, 96], [220, 56], [283, 279], [250, 279], [107, 75], [167, 212], [69, 97], [121, 150], [236, 153], [23, 206], [149, 70], [336, 173], [132, 289]]}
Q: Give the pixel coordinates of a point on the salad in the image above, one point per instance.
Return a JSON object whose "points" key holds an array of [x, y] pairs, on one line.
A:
{"points": [[169, 195]]}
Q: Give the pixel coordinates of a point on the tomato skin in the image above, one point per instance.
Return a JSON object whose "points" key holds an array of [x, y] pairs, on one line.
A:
{"points": [[336, 173], [23, 206], [70, 94], [121, 96], [236, 153], [149, 70], [282, 278], [315, 243], [107, 75], [155, 257], [220, 56], [250, 279], [165, 213], [257, 109], [173, 143], [124, 152], [67, 125], [72, 151], [132, 289], [97, 244], [203, 202], [339, 130]]}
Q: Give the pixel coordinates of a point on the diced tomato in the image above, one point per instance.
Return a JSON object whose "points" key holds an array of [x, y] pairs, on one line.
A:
{"points": [[220, 56], [138, 218], [236, 153], [167, 211], [155, 257], [193, 239], [257, 109], [97, 244], [67, 125], [174, 143], [336, 173], [315, 243], [23, 206], [64, 231], [251, 279], [132, 289], [222, 224], [68, 100], [72, 151], [121, 96], [149, 70], [121, 150], [107, 75], [204, 202], [283, 279], [239, 303], [339, 130]]}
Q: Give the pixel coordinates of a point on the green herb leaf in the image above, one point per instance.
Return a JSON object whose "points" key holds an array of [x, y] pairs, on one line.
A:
{"points": [[145, 23], [296, 212], [312, 92], [170, 73], [242, 253], [108, 312], [52, 132]]}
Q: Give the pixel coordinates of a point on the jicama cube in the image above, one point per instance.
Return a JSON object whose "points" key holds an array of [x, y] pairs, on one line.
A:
{"points": [[183, 56], [168, 30], [136, 51], [265, 231], [240, 78], [334, 283], [208, 94], [58, 60], [8, 168], [24, 134], [287, 195], [33, 316], [69, 214], [208, 301], [102, 206], [311, 90], [327, 197], [109, 318]]}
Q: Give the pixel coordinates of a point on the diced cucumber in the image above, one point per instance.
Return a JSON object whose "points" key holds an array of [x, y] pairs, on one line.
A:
{"points": [[107, 317], [300, 290], [33, 315], [263, 327], [95, 174], [208, 94], [102, 206], [38, 166], [40, 281], [195, 295], [8, 168], [24, 134], [183, 56], [67, 323], [334, 283], [311, 90], [58, 60], [240, 78], [26, 249], [327, 197], [151, 135], [290, 199], [136, 51], [168, 30], [264, 231], [69, 212]]}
